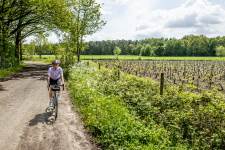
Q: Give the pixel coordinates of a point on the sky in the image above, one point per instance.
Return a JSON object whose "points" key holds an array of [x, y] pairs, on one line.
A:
{"points": [[139, 19]]}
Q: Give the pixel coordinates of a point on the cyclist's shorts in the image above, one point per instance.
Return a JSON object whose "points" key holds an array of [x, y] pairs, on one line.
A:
{"points": [[54, 82]]}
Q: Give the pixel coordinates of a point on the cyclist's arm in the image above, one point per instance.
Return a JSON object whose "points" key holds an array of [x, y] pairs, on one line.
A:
{"points": [[62, 79], [48, 79]]}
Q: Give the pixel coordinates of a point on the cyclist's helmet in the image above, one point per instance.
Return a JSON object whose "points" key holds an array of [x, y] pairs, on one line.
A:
{"points": [[55, 62]]}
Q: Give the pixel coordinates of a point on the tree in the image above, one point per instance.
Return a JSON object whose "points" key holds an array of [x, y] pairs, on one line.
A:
{"points": [[86, 21], [196, 45], [174, 47], [22, 18], [29, 49], [40, 41], [117, 51], [220, 51], [149, 50]]}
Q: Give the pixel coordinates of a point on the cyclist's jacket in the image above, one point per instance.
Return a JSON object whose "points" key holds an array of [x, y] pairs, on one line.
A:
{"points": [[55, 73]]}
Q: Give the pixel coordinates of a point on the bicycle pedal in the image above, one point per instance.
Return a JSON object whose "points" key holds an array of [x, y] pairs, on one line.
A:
{"points": [[51, 119]]}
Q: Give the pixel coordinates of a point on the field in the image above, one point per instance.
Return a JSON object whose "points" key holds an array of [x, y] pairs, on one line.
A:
{"points": [[131, 57], [192, 75], [128, 57]]}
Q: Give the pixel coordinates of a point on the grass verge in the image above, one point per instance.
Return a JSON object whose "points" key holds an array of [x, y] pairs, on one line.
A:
{"points": [[48, 58], [132, 57], [9, 71]]}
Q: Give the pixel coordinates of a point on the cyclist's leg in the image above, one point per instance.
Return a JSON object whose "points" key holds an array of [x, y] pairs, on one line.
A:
{"points": [[51, 82], [50, 93]]}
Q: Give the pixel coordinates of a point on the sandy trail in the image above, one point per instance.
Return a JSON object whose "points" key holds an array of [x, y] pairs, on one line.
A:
{"points": [[23, 100]]}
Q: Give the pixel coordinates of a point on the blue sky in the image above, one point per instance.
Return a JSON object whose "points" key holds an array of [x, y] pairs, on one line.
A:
{"points": [[139, 19]]}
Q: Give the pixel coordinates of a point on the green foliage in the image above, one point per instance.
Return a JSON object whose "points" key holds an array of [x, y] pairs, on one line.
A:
{"points": [[133, 57], [9, 71], [189, 45], [106, 116], [220, 51], [193, 119], [85, 20], [23, 18], [117, 51], [29, 49]]}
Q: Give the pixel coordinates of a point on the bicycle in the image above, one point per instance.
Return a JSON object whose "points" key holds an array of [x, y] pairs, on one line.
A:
{"points": [[53, 110]]}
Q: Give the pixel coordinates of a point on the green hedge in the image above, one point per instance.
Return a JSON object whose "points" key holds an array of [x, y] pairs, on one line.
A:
{"points": [[108, 119]]}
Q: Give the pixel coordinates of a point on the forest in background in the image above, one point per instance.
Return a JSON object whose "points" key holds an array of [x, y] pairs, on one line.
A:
{"points": [[190, 45]]}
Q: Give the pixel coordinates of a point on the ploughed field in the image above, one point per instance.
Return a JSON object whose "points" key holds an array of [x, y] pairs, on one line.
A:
{"points": [[188, 75]]}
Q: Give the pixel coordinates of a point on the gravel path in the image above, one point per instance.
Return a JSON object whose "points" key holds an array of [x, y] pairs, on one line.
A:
{"points": [[23, 100]]}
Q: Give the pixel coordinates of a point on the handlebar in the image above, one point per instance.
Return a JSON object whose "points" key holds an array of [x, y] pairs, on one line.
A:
{"points": [[53, 87]]}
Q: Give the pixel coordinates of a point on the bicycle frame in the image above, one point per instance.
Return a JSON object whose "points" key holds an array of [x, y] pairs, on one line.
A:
{"points": [[55, 97]]}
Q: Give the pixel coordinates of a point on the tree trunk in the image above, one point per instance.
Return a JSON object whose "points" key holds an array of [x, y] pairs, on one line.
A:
{"points": [[3, 50], [18, 50], [78, 55], [21, 51], [17, 47], [78, 49]]}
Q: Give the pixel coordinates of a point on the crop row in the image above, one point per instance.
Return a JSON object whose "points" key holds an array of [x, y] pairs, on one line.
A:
{"points": [[193, 75]]}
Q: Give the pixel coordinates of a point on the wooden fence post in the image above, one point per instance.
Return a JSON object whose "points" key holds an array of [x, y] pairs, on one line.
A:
{"points": [[161, 83]]}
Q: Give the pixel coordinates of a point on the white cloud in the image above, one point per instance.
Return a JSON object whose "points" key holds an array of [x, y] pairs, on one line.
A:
{"points": [[193, 17], [135, 19]]}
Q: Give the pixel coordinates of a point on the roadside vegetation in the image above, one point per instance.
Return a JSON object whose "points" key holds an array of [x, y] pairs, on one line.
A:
{"points": [[10, 71], [123, 111]]}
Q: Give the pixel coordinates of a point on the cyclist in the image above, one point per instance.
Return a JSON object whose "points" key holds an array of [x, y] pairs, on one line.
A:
{"points": [[55, 76]]}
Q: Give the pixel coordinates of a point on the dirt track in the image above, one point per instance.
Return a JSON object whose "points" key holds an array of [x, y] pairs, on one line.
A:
{"points": [[23, 99]]}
